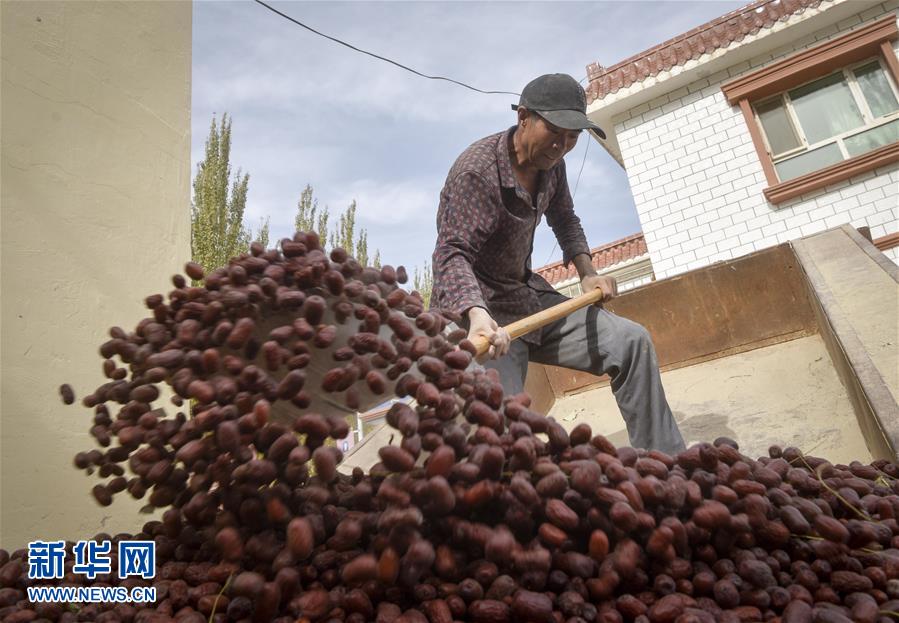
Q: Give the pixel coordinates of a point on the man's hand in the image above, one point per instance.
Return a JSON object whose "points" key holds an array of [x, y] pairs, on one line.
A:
{"points": [[483, 325], [607, 284]]}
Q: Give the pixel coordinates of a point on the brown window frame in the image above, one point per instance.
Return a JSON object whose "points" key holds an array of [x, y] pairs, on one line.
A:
{"points": [[869, 41], [887, 242]]}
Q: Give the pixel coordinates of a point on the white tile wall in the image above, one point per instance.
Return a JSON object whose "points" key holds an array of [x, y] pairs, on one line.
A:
{"points": [[697, 181]]}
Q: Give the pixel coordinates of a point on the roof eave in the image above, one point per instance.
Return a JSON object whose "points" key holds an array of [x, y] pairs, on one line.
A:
{"points": [[638, 261], [604, 110]]}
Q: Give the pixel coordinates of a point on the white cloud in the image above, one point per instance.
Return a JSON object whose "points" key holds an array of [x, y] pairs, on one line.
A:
{"points": [[399, 216], [394, 203]]}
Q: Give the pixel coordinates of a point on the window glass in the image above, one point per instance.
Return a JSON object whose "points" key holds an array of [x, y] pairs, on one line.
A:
{"points": [[809, 161], [873, 138], [876, 88], [571, 290], [826, 108], [777, 126]]}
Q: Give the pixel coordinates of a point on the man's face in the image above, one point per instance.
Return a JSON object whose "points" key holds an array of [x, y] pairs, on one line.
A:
{"points": [[545, 144]]}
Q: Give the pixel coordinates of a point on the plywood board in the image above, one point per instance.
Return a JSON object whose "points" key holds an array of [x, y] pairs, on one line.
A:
{"points": [[713, 311]]}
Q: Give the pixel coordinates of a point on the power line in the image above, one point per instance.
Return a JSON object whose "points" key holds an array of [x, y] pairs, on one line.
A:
{"points": [[583, 162], [422, 75], [382, 58], [573, 195]]}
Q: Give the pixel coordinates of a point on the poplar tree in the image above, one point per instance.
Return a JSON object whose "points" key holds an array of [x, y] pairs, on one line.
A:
{"points": [[218, 232], [311, 217], [423, 282], [262, 236]]}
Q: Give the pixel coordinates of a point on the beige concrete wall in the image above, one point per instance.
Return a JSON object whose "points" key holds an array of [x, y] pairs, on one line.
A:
{"points": [[95, 215]]}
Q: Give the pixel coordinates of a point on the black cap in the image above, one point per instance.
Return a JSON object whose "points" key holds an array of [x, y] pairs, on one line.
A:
{"points": [[559, 99]]}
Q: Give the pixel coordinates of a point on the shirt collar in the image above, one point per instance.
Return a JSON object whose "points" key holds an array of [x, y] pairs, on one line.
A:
{"points": [[504, 161], [507, 177]]}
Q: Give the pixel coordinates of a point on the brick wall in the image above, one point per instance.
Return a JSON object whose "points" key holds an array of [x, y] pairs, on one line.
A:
{"points": [[697, 180]]}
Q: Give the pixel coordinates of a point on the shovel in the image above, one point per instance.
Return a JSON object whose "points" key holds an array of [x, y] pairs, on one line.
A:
{"points": [[322, 361], [542, 318], [365, 453]]}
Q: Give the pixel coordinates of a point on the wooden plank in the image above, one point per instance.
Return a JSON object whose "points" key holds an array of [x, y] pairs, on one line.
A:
{"points": [[874, 403], [716, 310]]}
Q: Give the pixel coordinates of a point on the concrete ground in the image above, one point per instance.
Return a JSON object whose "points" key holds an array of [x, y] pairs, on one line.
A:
{"points": [[787, 394]]}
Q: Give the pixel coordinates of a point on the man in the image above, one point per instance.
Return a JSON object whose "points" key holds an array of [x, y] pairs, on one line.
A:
{"points": [[494, 197]]}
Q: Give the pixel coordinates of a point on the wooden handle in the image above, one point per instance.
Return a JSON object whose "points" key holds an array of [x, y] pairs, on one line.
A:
{"points": [[542, 318]]}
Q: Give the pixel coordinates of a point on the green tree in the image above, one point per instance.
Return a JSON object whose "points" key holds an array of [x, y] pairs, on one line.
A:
{"points": [[218, 232], [311, 217], [344, 235], [423, 282], [262, 236]]}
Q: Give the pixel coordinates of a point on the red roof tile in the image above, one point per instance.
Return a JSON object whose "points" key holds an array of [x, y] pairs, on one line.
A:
{"points": [[374, 414], [714, 35], [602, 257]]}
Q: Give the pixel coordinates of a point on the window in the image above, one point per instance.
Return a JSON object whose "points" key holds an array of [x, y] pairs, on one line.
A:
{"points": [[825, 114], [571, 290], [830, 119]]}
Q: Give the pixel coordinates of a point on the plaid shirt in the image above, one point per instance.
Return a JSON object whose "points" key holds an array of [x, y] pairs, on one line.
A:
{"points": [[485, 233]]}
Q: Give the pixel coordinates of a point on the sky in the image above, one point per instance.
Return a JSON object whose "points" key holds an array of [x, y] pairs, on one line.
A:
{"points": [[306, 110]]}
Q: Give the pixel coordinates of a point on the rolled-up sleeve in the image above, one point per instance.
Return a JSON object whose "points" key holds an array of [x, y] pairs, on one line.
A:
{"points": [[564, 222], [467, 217]]}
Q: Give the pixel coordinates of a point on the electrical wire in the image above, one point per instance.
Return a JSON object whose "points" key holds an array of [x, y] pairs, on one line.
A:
{"points": [[382, 58], [583, 162], [422, 75], [573, 195]]}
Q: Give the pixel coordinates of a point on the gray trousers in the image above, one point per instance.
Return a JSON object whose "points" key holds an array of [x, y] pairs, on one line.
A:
{"points": [[597, 341]]}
